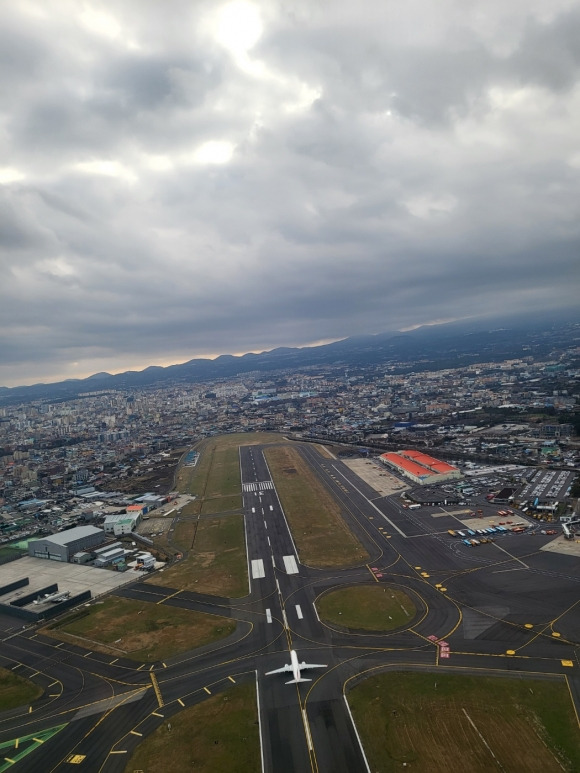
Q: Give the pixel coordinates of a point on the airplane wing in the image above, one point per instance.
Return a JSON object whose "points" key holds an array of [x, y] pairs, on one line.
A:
{"points": [[284, 670], [311, 665]]}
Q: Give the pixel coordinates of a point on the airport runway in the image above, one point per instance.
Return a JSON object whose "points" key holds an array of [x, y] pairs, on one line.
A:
{"points": [[473, 608]]}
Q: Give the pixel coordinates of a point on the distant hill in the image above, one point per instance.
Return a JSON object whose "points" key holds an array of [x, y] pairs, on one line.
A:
{"points": [[433, 347]]}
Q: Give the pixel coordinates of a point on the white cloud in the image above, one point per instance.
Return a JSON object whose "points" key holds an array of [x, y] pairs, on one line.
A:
{"points": [[107, 169], [214, 152], [9, 174], [232, 177], [238, 26]]}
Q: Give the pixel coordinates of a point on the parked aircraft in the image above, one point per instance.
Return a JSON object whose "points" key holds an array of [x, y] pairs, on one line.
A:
{"points": [[54, 597], [294, 667]]}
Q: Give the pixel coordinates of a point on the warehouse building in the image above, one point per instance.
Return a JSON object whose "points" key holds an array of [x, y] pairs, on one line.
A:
{"points": [[420, 467], [63, 546], [121, 523]]}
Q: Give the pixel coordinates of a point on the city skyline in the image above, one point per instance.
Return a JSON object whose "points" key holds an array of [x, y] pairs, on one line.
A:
{"points": [[235, 177]]}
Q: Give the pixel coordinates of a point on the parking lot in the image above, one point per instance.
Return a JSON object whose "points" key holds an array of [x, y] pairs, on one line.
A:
{"points": [[548, 485]]}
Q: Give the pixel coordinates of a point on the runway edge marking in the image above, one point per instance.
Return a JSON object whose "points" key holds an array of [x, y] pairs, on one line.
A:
{"points": [[362, 751], [260, 724]]}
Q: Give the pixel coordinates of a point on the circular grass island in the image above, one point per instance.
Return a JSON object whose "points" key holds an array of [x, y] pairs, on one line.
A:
{"points": [[366, 607]]}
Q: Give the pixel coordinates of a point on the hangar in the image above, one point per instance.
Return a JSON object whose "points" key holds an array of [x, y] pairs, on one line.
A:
{"points": [[62, 546]]}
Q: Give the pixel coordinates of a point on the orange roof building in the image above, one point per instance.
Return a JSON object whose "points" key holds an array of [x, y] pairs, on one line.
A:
{"points": [[420, 467]]}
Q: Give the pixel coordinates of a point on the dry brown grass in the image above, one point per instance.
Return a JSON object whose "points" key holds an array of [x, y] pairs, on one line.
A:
{"points": [[16, 690], [141, 630], [322, 537], [375, 607], [216, 563], [221, 504], [422, 719], [323, 451], [216, 736]]}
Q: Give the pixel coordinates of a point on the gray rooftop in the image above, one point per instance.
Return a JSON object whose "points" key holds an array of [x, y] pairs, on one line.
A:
{"points": [[79, 532]]}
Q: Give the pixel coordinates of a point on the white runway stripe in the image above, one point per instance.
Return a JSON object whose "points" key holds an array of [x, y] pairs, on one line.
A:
{"points": [[259, 486], [258, 569]]}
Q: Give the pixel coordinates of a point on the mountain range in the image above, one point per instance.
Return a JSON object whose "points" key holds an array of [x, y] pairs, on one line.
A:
{"points": [[425, 348]]}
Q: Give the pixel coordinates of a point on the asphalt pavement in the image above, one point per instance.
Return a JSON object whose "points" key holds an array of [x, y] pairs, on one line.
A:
{"points": [[503, 608]]}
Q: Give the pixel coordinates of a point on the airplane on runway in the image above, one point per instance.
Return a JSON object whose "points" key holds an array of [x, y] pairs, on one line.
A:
{"points": [[295, 667]]}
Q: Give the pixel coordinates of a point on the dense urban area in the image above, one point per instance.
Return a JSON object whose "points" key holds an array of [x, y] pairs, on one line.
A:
{"points": [[71, 461], [179, 541]]}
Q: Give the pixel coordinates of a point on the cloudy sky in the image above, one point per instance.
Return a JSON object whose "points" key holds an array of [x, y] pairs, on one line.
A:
{"points": [[182, 179]]}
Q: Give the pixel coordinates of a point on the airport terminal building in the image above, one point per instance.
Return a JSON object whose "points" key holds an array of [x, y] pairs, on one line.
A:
{"points": [[62, 546], [419, 467]]}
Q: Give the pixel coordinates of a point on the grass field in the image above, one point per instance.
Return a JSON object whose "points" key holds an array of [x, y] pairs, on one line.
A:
{"points": [[141, 630], [367, 607], [184, 534], [217, 472], [220, 734], [216, 561], [221, 504], [439, 722], [322, 537], [16, 691]]}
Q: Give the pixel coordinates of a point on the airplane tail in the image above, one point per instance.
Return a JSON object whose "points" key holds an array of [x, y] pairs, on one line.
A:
{"points": [[295, 681]]}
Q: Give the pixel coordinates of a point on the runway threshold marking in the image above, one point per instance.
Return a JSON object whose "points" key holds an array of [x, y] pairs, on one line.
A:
{"points": [[299, 612], [268, 615], [290, 564]]}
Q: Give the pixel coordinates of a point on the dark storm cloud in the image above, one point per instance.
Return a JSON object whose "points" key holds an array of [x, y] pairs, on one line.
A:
{"points": [[170, 190]]}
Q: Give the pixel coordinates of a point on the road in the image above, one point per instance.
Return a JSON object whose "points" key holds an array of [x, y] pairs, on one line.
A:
{"points": [[482, 603]]}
